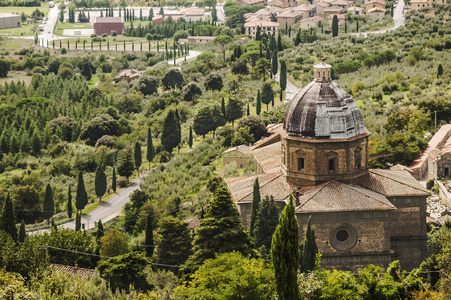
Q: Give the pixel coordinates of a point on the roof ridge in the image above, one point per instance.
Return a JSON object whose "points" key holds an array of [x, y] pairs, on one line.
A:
{"points": [[367, 196], [316, 192], [396, 180]]}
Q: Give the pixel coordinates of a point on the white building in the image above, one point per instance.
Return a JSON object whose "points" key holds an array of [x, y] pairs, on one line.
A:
{"points": [[8, 20], [267, 27]]}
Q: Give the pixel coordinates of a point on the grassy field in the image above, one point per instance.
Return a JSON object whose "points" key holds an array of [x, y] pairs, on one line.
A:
{"points": [[7, 44], [61, 26], [25, 29]]}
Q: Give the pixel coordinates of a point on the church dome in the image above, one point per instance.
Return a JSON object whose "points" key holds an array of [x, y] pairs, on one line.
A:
{"points": [[323, 110]]}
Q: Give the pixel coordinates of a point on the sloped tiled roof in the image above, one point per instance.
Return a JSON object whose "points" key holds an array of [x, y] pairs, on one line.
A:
{"points": [[72, 270], [240, 148], [269, 157], [193, 223], [376, 10], [392, 183], [337, 196], [273, 184]]}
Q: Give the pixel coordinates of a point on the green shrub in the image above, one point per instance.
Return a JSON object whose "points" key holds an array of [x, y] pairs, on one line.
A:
{"points": [[430, 183]]}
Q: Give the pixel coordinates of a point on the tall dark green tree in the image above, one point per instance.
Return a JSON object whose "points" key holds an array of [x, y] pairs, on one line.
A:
{"points": [[248, 112], [265, 224], [100, 183], [223, 107], [267, 94], [126, 163], [138, 156], [220, 231], [285, 253], [439, 70], [69, 203], [100, 231], [170, 134], [234, 110], [77, 220], [48, 209], [279, 42], [190, 137], [22, 232], [275, 64], [150, 149], [258, 34], [8, 218], [308, 250], [113, 181], [258, 106], [283, 75], [81, 199], [149, 243], [297, 40], [255, 204], [173, 241], [335, 26]]}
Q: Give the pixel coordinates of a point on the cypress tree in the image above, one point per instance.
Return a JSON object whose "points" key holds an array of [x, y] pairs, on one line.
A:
{"points": [[100, 183], [279, 42], [113, 183], [265, 224], [22, 232], [357, 26], [275, 63], [100, 232], [8, 218], [285, 254], [248, 111], [258, 34], [283, 75], [149, 236], [48, 209], [391, 11], [150, 149], [268, 54], [81, 199], [259, 103], [335, 26], [69, 203], [223, 107], [297, 40], [308, 249], [170, 134], [346, 27], [439, 70], [77, 221], [190, 137], [138, 156], [255, 203]]}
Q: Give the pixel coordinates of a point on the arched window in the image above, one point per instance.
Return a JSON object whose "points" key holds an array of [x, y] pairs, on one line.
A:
{"points": [[300, 160], [358, 158], [332, 162]]}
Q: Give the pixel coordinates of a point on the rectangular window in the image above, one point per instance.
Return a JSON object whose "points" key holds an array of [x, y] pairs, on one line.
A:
{"points": [[331, 165], [301, 163]]}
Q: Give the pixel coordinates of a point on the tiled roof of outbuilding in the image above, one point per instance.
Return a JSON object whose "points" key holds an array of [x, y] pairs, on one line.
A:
{"points": [[269, 157]]}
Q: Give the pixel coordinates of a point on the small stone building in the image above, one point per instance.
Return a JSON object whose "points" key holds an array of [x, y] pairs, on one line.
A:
{"points": [[107, 24], [241, 155], [320, 155]]}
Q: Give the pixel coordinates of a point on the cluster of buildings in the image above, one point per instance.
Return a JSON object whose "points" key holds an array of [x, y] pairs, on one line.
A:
{"points": [[286, 13]]}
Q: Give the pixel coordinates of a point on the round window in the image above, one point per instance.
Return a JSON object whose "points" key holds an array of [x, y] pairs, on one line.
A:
{"points": [[342, 235]]}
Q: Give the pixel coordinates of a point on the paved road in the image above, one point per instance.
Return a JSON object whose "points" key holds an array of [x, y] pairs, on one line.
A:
{"points": [[290, 91], [398, 20], [107, 210]]}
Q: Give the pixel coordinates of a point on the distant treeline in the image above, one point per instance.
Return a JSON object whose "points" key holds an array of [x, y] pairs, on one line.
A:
{"points": [[20, 3]]}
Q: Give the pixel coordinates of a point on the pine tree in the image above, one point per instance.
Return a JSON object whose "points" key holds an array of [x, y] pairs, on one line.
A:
{"points": [[149, 243], [22, 232], [259, 103], [275, 63], [234, 110], [100, 231], [138, 156], [285, 254], [100, 183], [335, 26], [265, 224], [308, 250], [48, 209], [220, 231], [126, 163], [81, 199], [113, 182], [255, 203], [8, 218], [150, 149], [69, 203], [267, 94], [170, 134], [439, 70], [35, 144], [190, 137]]}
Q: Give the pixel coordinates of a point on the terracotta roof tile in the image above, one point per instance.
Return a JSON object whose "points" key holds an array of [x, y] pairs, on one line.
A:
{"points": [[269, 157], [435, 142], [392, 183], [337, 196], [72, 270]]}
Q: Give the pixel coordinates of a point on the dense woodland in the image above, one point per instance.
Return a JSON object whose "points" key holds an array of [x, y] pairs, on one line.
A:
{"points": [[71, 136]]}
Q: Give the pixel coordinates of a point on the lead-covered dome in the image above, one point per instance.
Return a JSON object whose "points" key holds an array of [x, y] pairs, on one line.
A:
{"points": [[323, 110]]}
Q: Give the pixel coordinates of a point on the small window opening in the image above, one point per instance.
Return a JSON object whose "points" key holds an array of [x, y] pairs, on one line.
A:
{"points": [[301, 163], [331, 165]]}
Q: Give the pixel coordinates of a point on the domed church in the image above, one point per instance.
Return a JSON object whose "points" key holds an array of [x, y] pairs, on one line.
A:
{"points": [[320, 154]]}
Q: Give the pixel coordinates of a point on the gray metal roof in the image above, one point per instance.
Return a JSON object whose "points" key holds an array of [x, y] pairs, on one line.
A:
{"points": [[323, 110]]}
